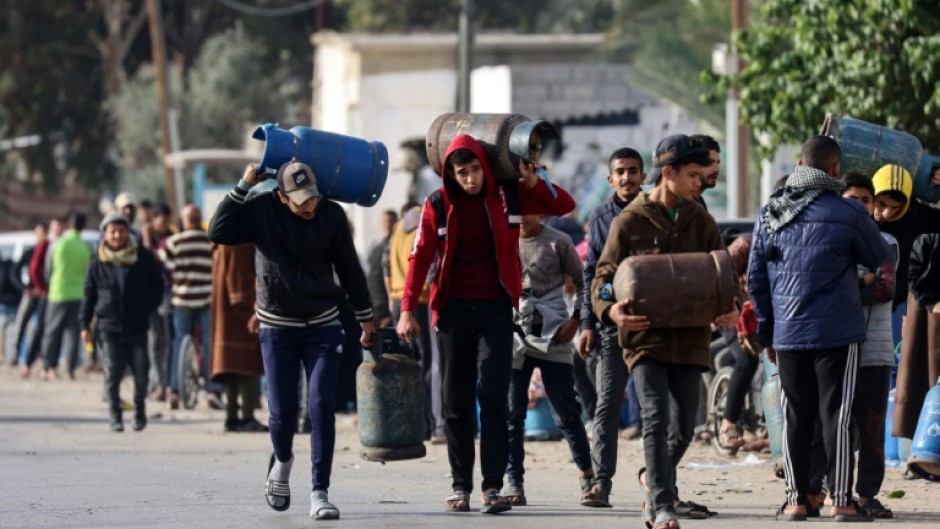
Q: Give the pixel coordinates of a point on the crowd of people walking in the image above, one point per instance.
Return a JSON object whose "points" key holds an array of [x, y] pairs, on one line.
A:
{"points": [[494, 297]]}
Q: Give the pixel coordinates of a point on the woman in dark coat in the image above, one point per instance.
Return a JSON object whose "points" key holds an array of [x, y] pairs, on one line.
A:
{"points": [[123, 286]]}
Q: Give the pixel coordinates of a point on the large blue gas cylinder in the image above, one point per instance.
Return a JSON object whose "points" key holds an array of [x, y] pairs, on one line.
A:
{"points": [[773, 412], [867, 147], [925, 449], [348, 169], [390, 403]]}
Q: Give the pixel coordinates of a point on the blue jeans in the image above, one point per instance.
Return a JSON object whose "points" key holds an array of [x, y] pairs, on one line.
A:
{"points": [[183, 320], [611, 379], [319, 350], [566, 411]]}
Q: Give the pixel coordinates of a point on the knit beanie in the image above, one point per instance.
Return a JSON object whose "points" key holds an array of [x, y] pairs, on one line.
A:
{"points": [[894, 178]]}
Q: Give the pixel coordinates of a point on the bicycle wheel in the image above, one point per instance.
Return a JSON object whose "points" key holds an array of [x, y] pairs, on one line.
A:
{"points": [[188, 373], [717, 401]]}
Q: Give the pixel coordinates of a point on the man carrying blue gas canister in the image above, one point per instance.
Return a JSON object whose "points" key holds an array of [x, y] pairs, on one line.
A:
{"points": [[301, 238]]}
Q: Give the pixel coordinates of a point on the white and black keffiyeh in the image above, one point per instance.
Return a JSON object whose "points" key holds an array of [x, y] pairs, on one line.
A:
{"points": [[802, 187]]}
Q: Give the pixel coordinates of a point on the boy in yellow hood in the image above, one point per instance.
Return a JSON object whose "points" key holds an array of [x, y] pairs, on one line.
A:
{"points": [[898, 214]]}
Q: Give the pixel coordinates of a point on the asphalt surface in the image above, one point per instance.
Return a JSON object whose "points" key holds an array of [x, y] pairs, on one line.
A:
{"points": [[62, 468]]}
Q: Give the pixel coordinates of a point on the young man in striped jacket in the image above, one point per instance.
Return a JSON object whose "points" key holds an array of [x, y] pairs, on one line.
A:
{"points": [[187, 256]]}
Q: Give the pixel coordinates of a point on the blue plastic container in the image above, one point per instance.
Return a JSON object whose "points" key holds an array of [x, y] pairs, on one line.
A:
{"points": [[773, 412], [539, 423], [348, 169], [925, 448], [891, 443], [867, 147]]}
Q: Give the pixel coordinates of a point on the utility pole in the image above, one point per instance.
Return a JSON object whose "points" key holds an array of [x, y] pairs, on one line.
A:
{"points": [[742, 134], [158, 49], [464, 59]]}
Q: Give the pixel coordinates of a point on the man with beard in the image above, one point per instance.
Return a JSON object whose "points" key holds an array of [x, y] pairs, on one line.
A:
{"points": [[710, 176], [626, 176]]}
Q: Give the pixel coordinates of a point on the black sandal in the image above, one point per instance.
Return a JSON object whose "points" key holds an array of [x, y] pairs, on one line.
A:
{"points": [[875, 509], [277, 490], [858, 516]]}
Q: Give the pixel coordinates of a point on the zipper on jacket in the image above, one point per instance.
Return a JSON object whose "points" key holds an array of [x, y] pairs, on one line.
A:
{"points": [[499, 276]]}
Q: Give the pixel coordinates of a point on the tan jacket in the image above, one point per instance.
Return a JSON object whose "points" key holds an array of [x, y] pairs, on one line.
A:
{"points": [[644, 228]]}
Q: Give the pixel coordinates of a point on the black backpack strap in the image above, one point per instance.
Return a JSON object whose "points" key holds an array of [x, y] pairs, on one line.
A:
{"points": [[436, 199], [509, 189]]}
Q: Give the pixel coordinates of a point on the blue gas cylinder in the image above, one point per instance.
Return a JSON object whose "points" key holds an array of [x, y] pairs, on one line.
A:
{"points": [[773, 412], [348, 169], [539, 423], [867, 147], [390, 400], [925, 448]]}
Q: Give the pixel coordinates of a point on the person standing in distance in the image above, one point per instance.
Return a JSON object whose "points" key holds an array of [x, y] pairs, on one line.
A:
{"points": [[300, 239]]}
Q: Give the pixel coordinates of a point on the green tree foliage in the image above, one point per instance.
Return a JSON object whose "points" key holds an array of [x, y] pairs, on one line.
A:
{"points": [[525, 16], [51, 86], [230, 87], [875, 60], [669, 43]]}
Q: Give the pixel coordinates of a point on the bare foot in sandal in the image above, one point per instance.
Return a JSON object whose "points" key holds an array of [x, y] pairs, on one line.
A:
{"points": [[493, 503], [729, 437], [458, 502]]}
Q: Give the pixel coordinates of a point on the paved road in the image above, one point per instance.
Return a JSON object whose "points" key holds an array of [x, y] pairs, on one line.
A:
{"points": [[61, 468]]}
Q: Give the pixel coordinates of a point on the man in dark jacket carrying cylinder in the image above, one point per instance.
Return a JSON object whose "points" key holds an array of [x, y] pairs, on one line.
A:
{"points": [[666, 363], [300, 238], [802, 273]]}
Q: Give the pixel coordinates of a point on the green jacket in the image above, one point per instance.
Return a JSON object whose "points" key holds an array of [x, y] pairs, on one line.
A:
{"points": [[70, 258]]}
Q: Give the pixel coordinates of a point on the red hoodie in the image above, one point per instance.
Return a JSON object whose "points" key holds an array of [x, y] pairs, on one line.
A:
{"points": [[506, 201]]}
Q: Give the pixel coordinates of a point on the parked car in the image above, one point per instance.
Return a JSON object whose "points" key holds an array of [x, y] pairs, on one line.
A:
{"points": [[13, 244], [732, 228]]}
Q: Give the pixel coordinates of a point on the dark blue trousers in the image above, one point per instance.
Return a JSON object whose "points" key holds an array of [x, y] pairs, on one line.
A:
{"points": [[319, 350]]}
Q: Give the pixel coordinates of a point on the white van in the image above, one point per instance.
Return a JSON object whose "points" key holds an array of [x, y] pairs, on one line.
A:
{"points": [[13, 244]]}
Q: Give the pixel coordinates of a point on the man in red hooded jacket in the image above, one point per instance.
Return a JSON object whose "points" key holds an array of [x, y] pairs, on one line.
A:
{"points": [[471, 225]]}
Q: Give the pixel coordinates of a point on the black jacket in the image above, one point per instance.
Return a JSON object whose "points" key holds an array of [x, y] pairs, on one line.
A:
{"points": [[918, 219], [128, 311], [295, 258], [925, 270]]}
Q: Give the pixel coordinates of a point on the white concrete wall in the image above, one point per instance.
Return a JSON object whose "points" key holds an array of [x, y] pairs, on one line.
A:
{"points": [[396, 107]]}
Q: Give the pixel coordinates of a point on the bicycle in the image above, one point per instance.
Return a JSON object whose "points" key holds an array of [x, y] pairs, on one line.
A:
{"points": [[189, 368], [752, 416]]}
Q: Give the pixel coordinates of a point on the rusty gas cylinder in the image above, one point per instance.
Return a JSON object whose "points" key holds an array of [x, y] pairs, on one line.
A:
{"points": [[390, 395], [677, 289], [506, 138]]}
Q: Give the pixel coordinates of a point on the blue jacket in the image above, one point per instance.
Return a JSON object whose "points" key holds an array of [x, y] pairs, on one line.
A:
{"points": [[803, 281], [598, 229]]}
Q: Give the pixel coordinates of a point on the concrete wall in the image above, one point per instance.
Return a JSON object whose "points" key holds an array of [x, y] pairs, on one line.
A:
{"points": [[390, 88]]}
